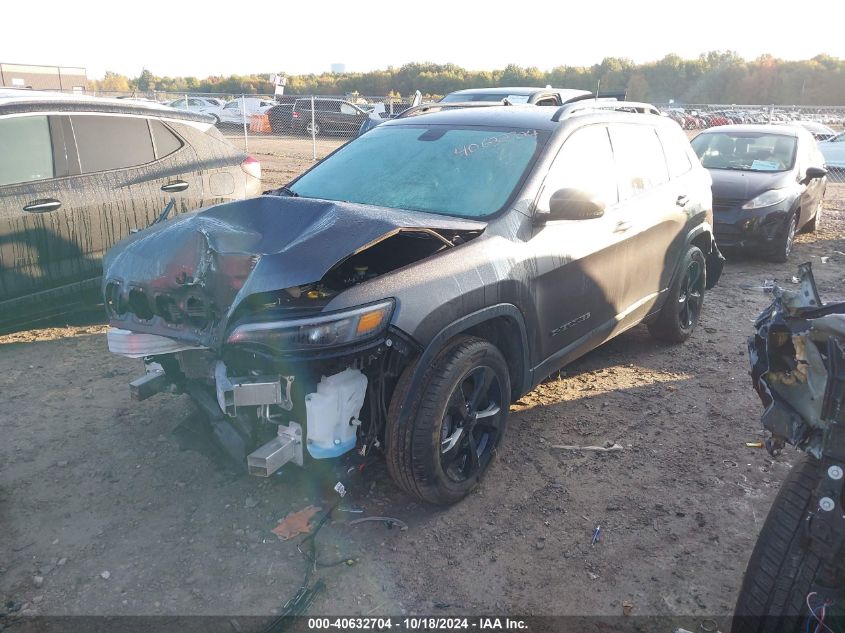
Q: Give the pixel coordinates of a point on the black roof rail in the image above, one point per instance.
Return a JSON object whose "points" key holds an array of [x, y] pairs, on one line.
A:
{"points": [[586, 106]]}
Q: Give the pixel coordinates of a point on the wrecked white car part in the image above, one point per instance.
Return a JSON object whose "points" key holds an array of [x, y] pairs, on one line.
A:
{"points": [[798, 370], [791, 359]]}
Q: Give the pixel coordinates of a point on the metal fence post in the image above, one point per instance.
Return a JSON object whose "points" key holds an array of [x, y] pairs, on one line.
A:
{"points": [[313, 131], [243, 116]]}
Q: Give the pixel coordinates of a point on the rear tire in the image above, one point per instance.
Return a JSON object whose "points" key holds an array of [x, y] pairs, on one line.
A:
{"points": [[679, 315], [449, 437], [781, 569]]}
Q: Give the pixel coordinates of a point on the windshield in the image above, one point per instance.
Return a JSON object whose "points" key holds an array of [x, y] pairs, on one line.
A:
{"points": [[464, 172], [745, 151], [465, 97]]}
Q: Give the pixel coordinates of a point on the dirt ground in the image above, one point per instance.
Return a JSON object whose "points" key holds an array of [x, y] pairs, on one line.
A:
{"points": [[110, 507]]}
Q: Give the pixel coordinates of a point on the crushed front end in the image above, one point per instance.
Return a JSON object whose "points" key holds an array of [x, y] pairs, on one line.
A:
{"points": [[234, 306], [798, 370], [279, 391]]}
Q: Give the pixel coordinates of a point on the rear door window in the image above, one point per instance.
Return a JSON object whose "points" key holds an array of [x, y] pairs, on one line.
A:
{"points": [[112, 142], [676, 148], [327, 106], [166, 142], [26, 152], [640, 162]]}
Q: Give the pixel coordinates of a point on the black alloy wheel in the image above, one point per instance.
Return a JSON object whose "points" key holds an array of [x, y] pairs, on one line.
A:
{"points": [[471, 426], [444, 430], [691, 296]]}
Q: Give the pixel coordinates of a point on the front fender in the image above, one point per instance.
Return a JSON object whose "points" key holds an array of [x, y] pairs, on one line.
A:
{"points": [[702, 236], [502, 310]]}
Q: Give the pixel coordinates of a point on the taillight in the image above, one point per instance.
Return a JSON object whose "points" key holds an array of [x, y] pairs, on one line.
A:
{"points": [[251, 167], [295, 115]]}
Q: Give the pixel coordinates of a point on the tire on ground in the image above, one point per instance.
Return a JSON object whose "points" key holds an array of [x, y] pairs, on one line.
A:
{"points": [[413, 446], [667, 326], [782, 247], [813, 225], [781, 569]]}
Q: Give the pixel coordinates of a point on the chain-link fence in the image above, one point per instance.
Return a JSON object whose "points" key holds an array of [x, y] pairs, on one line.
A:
{"points": [[241, 116], [333, 119], [344, 117]]}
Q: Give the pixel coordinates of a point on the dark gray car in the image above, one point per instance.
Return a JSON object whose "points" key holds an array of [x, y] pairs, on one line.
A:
{"points": [[768, 184], [401, 293], [78, 174]]}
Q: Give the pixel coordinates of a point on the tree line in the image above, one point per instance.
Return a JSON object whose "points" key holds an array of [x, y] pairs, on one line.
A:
{"points": [[714, 77]]}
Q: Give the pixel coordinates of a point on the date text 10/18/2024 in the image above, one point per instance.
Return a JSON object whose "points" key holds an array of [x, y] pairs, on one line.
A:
{"points": [[418, 623]]}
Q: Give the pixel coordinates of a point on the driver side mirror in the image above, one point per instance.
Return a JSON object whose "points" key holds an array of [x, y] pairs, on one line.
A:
{"points": [[573, 204], [813, 173]]}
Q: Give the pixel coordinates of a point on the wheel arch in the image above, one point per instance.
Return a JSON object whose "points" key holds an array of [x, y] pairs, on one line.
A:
{"points": [[702, 237], [503, 325]]}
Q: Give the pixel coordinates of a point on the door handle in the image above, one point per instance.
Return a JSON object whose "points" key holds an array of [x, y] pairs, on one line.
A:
{"points": [[43, 206], [622, 226], [682, 200], [175, 186]]}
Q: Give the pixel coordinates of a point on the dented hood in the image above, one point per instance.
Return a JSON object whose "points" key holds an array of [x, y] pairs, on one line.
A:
{"points": [[230, 251]]}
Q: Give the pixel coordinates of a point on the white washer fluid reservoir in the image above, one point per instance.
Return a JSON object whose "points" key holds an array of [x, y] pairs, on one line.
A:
{"points": [[332, 413]]}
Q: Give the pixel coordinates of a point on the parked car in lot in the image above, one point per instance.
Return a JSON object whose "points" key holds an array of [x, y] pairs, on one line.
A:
{"points": [[77, 174], [240, 109], [833, 151], [204, 105], [819, 131], [768, 184], [331, 116], [280, 114], [399, 295], [521, 94]]}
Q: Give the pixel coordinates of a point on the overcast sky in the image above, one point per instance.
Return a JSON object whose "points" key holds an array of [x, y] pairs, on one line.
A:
{"points": [[224, 37]]}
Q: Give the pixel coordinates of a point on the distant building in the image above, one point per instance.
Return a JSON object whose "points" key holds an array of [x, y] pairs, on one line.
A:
{"points": [[43, 77], [339, 69]]}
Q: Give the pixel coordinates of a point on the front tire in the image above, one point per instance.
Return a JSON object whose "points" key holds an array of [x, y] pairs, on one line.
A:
{"points": [[814, 224], [781, 570], [454, 424], [679, 315], [783, 246]]}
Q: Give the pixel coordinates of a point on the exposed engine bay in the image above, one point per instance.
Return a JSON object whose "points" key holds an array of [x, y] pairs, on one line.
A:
{"points": [[236, 311], [798, 370]]}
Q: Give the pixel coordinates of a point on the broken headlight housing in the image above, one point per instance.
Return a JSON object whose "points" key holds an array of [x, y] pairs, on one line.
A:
{"points": [[318, 331]]}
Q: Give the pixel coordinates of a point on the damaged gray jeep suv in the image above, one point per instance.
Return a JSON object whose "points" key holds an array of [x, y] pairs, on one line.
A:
{"points": [[398, 296]]}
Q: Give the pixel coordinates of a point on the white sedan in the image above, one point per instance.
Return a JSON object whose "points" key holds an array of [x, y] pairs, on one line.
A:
{"points": [[206, 105], [236, 110]]}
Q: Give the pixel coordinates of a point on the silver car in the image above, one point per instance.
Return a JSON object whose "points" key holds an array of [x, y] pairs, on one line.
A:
{"points": [[833, 150]]}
